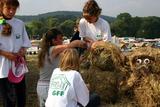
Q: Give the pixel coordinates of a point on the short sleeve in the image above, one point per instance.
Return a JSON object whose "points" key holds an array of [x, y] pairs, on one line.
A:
{"points": [[26, 41]]}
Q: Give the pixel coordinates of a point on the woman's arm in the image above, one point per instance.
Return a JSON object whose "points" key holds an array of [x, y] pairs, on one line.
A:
{"points": [[9, 55], [88, 40], [59, 48], [22, 51]]}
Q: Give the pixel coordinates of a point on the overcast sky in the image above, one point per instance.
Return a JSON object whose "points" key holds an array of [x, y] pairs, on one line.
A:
{"points": [[113, 8]]}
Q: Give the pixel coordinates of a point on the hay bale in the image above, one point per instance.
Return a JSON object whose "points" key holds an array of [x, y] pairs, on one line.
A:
{"points": [[105, 71], [144, 80], [147, 94], [103, 83], [84, 61], [157, 58], [106, 56]]}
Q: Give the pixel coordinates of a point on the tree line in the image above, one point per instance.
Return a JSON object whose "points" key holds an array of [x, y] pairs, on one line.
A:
{"points": [[139, 27], [124, 25]]}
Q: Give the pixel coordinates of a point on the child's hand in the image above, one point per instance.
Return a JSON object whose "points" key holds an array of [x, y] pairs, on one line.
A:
{"points": [[97, 43], [22, 52], [88, 40], [82, 44], [11, 56], [8, 55], [77, 43]]}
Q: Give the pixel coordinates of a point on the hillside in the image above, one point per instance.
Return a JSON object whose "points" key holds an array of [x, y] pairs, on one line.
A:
{"points": [[59, 14]]}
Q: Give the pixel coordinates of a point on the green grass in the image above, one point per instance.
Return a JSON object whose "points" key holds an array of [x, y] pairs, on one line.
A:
{"points": [[31, 81]]}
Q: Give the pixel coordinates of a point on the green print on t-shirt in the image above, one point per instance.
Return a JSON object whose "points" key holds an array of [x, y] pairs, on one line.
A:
{"points": [[59, 84]]}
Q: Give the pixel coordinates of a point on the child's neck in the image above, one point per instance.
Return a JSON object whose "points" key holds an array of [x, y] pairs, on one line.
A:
{"points": [[6, 17]]}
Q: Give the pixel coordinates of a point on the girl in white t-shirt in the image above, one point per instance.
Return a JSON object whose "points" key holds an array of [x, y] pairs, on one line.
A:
{"points": [[67, 87], [13, 43], [48, 59], [92, 27]]}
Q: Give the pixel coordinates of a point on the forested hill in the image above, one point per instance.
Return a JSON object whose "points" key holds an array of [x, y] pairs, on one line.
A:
{"points": [[124, 25], [58, 14]]}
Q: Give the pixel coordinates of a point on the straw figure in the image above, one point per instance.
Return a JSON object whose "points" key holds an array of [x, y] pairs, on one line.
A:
{"points": [[144, 81], [103, 70]]}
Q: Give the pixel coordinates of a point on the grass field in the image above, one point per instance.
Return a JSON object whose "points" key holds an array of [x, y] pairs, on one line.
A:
{"points": [[31, 81]]}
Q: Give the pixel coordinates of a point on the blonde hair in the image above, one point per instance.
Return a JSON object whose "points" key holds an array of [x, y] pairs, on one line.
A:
{"points": [[69, 60], [91, 8]]}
